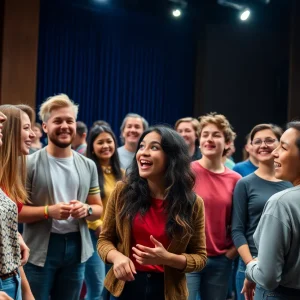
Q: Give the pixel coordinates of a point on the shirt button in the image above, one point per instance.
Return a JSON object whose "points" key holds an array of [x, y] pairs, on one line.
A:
{"points": [[148, 275]]}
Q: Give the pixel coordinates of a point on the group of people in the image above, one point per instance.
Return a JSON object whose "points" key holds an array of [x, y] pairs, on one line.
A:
{"points": [[162, 217]]}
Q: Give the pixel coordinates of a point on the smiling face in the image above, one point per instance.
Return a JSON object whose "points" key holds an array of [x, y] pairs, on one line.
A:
{"points": [[2, 120], [151, 158], [287, 157], [133, 130], [212, 141], [61, 127], [186, 130], [264, 142], [104, 147], [27, 135]]}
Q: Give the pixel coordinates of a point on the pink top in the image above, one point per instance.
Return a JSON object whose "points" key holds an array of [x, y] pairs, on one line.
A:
{"points": [[216, 190]]}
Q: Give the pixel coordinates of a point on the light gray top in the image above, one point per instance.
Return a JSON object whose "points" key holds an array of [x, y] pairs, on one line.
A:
{"points": [[40, 188], [277, 239], [65, 181], [126, 157]]}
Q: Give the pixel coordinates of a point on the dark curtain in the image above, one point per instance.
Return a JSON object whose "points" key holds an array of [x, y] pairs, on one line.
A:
{"points": [[112, 62]]}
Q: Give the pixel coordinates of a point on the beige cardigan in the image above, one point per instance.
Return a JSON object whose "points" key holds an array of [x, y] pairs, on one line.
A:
{"points": [[116, 235]]}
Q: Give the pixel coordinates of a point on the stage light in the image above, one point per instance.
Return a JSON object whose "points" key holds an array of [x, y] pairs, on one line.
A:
{"points": [[178, 7], [245, 14], [176, 13]]}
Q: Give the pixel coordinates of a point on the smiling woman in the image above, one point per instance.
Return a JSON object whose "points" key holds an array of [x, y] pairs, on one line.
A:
{"points": [[15, 135], [250, 196], [276, 271], [153, 230]]}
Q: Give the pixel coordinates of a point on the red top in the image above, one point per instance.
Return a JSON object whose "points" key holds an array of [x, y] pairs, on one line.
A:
{"points": [[216, 190], [19, 204], [153, 223]]}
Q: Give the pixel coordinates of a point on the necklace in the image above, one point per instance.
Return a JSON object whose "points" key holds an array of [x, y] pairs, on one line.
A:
{"points": [[107, 170]]}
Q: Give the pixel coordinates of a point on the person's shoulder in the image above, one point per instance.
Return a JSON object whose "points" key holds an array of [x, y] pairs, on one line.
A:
{"points": [[199, 201], [195, 165], [120, 149], [285, 196], [35, 156], [240, 165], [83, 159], [247, 180], [233, 174]]}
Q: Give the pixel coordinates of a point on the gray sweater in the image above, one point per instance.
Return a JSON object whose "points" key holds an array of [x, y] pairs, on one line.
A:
{"points": [[40, 189], [277, 238], [250, 196]]}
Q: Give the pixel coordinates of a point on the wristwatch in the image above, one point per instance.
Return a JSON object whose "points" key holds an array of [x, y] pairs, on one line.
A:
{"points": [[89, 210]]}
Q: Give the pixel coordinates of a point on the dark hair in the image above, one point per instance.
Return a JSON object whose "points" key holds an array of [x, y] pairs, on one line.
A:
{"points": [[114, 160], [81, 128], [274, 128], [179, 181], [101, 123], [295, 125]]}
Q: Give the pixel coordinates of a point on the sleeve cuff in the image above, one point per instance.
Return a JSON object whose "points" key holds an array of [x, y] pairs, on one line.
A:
{"points": [[249, 270], [94, 224]]}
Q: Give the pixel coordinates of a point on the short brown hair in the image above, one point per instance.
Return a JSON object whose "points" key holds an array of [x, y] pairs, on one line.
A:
{"points": [[222, 123], [274, 128], [195, 123]]}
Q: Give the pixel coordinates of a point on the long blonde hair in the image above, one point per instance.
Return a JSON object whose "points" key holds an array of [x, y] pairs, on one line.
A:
{"points": [[12, 162]]}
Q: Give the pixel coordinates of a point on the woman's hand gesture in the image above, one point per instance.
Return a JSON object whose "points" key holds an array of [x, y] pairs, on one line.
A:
{"points": [[123, 268], [151, 256]]}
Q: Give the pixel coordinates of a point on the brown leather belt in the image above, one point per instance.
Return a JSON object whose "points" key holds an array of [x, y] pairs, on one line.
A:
{"points": [[8, 275]]}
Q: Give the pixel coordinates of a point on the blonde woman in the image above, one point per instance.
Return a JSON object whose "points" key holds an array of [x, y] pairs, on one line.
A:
{"points": [[189, 129], [16, 136]]}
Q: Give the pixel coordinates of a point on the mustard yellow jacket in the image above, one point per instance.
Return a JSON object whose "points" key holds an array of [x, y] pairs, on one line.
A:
{"points": [[116, 235]]}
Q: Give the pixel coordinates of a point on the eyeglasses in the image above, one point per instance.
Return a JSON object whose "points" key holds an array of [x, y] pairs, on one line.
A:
{"points": [[267, 141]]}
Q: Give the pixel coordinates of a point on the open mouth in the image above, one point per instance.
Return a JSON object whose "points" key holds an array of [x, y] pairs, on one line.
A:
{"points": [[145, 163], [277, 165]]}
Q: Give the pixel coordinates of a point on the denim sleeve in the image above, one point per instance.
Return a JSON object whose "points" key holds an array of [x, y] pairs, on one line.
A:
{"points": [[239, 214]]}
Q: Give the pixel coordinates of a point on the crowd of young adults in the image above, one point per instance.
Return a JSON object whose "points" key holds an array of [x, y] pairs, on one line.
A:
{"points": [[162, 217]]}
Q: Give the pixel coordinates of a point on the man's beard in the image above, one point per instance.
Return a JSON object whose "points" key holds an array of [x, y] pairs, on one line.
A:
{"points": [[60, 144]]}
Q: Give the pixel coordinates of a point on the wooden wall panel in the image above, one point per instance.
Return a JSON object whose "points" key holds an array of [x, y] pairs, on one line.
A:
{"points": [[19, 51]]}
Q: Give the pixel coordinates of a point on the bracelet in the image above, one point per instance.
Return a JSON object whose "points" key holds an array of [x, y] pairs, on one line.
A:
{"points": [[46, 212]]}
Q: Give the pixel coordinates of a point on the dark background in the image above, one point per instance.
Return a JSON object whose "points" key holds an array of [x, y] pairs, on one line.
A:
{"points": [[133, 56]]}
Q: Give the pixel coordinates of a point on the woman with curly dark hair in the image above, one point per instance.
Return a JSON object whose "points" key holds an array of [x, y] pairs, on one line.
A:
{"points": [[153, 230]]}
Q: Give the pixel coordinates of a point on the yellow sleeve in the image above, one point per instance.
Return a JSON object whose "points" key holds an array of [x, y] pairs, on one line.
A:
{"points": [[94, 224]]}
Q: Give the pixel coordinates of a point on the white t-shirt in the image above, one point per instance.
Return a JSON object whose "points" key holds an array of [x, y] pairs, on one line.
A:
{"points": [[65, 181]]}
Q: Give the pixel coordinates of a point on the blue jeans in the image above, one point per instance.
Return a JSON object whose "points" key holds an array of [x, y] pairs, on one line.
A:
{"points": [[105, 293], [146, 286], [62, 275], [262, 294], [239, 280], [212, 282], [12, 287], [94, 273]]}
